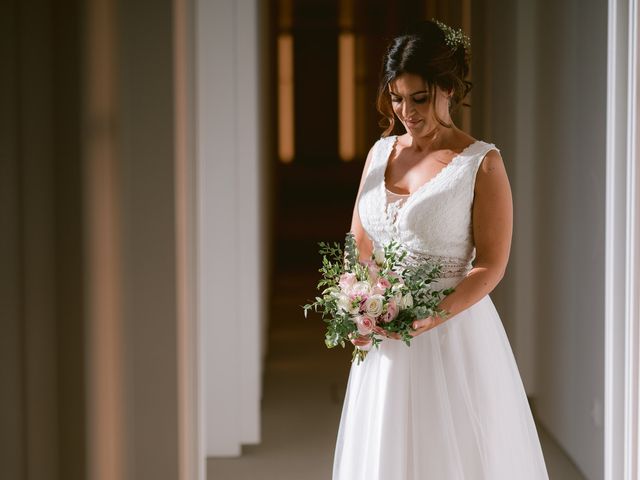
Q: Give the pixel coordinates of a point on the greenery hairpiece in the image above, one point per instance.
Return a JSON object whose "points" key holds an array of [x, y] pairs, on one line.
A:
{"points": [[454, 36]]}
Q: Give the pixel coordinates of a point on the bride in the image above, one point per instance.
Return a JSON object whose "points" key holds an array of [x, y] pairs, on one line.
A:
{"points": [[451, 406]]}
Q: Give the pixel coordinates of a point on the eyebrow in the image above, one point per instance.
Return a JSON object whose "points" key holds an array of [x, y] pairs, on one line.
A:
{"points": [[412, 94]]}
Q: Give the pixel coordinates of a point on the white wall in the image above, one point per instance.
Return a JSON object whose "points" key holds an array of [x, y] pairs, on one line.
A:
{"points": [[569, 226], [545, 104], [502, 111], [229, 223]]}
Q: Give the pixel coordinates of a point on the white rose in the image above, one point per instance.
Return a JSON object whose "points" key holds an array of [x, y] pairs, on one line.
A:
{"points": [[407, 301], [373, 305], [398, 297], [361, 288], [378, 255], [344, 302]]}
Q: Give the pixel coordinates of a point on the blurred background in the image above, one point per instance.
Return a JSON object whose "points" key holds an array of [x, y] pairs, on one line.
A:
{"points": [[168, 167]]}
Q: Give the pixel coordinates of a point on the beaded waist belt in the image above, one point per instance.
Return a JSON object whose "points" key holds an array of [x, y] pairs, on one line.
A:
{"points": [[451, 266]]}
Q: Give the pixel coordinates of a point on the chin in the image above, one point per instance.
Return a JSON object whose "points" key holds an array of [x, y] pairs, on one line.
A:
{"points": [[416, 131], [419, 127]]}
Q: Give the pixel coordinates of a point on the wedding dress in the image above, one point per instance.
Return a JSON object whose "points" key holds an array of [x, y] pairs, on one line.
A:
{"points": [[451, 406]]}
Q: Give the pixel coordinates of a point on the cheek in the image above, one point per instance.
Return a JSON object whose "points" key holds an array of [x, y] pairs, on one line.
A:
{"points": [[397, 109], [424, 109]]}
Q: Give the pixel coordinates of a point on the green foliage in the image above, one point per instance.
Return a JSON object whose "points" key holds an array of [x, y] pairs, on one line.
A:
{"points": [[351, 254], [339, 310]]}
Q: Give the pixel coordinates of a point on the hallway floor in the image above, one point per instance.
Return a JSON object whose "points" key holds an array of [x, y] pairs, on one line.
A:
{"points": [[303, 392]]}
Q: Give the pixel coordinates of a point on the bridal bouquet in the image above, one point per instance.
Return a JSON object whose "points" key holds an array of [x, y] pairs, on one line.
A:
{"points": [[356, 297]]}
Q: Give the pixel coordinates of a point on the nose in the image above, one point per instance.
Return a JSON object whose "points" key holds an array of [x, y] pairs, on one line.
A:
{"points": [[407, 109]]}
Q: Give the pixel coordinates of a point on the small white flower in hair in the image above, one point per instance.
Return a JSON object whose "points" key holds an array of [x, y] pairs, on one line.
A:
{"points": [[454, 36]]}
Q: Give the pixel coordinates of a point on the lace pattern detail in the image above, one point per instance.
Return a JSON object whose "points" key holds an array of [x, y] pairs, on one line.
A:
{"points": [[436, 218], [451, 266], [392, 208]]}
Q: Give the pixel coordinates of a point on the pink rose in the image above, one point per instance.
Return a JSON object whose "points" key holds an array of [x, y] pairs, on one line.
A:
{"points": [[392, 311], [347, 281], [381, 285], [365, 324], [363, 303]]}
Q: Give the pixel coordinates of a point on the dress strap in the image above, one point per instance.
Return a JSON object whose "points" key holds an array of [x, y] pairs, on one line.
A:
{"points": [[478, 157], [382, 149], [379, 153]]}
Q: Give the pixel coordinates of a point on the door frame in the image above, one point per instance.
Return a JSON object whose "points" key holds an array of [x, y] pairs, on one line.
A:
{"points": [[622, 265]]}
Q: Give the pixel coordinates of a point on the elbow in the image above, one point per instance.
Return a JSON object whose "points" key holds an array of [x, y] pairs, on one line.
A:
{"points": [[499, 269], [494, 272]]}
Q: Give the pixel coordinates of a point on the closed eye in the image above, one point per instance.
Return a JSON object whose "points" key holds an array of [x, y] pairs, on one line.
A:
{"points": [[419, 100]]}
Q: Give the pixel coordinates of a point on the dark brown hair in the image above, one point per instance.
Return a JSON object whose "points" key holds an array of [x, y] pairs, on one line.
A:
{"points": [[423, 51]]}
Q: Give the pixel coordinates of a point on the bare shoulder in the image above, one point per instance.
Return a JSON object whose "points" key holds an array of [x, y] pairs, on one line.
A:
{"points": [[492, 173], [492, 162]]}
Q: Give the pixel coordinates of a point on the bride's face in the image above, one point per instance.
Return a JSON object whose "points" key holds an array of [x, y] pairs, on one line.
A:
{"points": [[412, 105]]}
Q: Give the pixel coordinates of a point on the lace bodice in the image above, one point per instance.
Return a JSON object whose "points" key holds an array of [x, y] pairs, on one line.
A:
{"points": [[394, 204], [432, 223]]}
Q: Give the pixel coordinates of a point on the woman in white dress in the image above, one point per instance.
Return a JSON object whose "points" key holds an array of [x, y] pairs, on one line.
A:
{"points": [[451, 406]]}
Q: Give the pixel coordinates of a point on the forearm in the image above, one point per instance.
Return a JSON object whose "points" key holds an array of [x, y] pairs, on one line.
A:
{"points": [[480, 281], [365, 247]]}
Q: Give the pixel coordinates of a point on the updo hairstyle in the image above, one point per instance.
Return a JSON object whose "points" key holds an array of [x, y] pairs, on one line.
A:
{"points": [[423, 51]]}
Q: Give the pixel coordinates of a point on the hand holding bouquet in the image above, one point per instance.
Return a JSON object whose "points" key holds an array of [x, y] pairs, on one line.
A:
{"points": [[358, 299]]}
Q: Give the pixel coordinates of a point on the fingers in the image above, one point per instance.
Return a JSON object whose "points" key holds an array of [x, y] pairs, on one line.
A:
{"points": [[421, 326], [385, 333], [360, 341], [424, 323], [380, 331]]}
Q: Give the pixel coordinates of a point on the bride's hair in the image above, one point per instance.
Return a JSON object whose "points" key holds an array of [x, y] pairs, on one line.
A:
{"points": [[423, 50]]}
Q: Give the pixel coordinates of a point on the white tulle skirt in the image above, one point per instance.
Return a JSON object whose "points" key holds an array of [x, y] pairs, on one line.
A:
{"points": [[451, 406]]}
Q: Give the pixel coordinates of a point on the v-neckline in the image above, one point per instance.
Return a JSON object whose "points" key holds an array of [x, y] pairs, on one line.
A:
{"points": [[410, 195]]}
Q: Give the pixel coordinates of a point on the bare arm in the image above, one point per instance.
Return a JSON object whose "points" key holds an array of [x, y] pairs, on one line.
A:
{"points": [[492, 218], [363, 242]]}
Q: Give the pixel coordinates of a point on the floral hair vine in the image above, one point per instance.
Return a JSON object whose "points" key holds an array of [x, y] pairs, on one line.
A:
{"points": [[454, 36]]}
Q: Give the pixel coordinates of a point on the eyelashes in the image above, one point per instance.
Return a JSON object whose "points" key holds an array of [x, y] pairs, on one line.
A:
{"points": [[418, 100]]}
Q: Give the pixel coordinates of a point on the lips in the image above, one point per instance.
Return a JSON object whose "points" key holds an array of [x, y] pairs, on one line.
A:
{"points": [[413, 123]]}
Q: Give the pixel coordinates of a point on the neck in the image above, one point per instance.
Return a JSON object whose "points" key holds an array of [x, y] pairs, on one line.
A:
{"points": [[436, 139]]}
